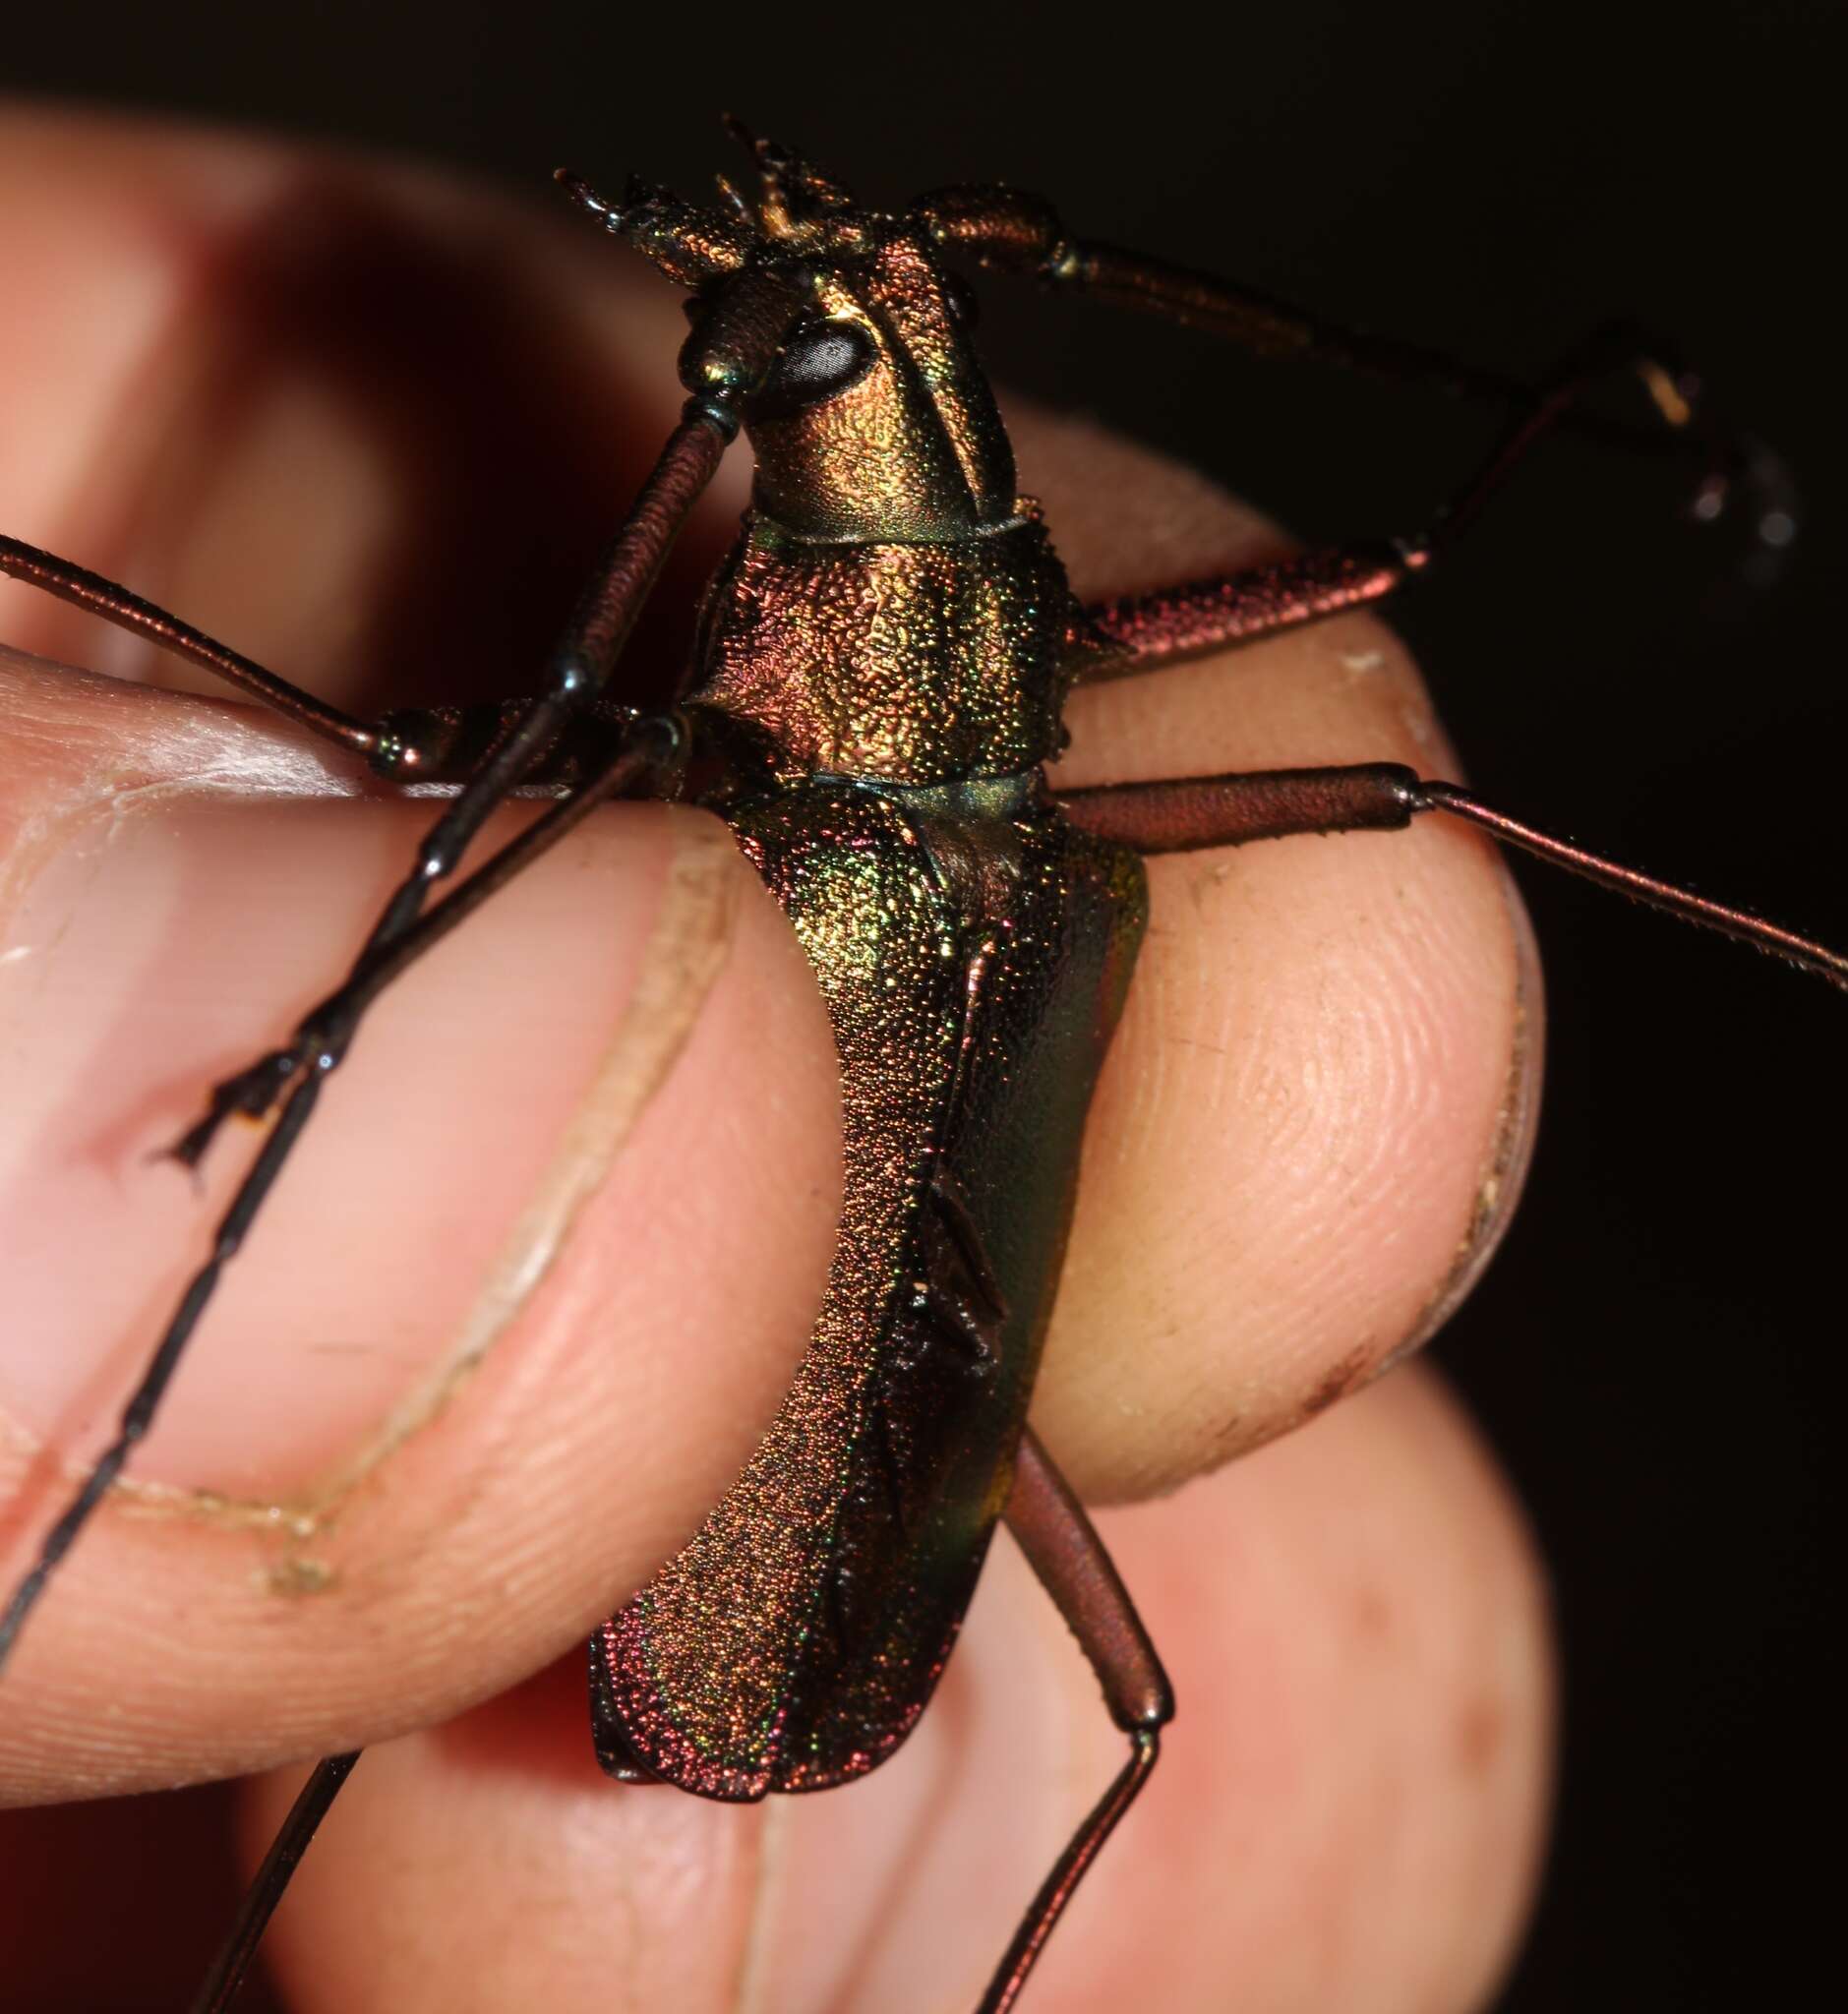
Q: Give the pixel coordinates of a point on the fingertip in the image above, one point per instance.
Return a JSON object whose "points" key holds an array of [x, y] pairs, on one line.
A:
{"points": [[249, 422], [1315, 1117], [1353, 1796], [1348, 1812]]}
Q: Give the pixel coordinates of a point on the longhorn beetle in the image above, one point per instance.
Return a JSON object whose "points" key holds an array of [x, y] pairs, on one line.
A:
{"points": [[878, 682]]}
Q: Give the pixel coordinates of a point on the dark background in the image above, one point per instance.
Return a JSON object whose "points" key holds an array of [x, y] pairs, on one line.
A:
{"points": [[1654, 1353]]}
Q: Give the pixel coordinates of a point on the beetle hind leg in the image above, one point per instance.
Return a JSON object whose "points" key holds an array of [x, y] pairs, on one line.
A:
{"points": [[1189, 813], [1064, 1551], [270, 1880]]}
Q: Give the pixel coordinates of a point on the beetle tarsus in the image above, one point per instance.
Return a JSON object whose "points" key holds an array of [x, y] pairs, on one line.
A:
{"points": [[252, 1094]]}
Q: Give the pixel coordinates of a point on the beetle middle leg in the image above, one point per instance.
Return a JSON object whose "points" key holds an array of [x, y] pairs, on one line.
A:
{"points": [[1147, 630]]}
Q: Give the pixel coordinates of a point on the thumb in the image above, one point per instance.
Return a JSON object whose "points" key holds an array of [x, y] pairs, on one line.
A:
{"points": [[524, 1302]]}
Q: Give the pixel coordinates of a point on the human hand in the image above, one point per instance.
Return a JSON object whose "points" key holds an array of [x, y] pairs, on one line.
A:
{"points": [[367, 427]]}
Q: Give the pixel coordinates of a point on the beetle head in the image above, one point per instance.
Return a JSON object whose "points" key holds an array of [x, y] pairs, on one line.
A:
{"points": [[876, 421]]}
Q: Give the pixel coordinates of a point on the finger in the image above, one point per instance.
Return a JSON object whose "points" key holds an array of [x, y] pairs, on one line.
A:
{"points": [[400, 1469], [170, 908], [1348, 1812], [1315, 1117]]}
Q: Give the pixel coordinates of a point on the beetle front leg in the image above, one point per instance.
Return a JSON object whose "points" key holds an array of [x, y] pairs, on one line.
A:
{"points": [[67, 581], [425, 745]]}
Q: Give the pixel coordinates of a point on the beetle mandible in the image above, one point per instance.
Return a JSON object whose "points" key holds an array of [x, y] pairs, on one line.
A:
{"points": [[902, 818]]}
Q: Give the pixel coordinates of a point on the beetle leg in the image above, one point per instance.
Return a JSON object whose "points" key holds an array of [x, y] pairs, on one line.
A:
{"points": [[1195, 812], [1172, 624], [1169, 624], [1063, 1549], [293, 1077], [1189, 813], [266, 1886], [418, 744]]}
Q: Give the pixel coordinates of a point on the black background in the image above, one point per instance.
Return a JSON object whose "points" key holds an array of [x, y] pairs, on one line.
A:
{"points": [[1654, 1351]]}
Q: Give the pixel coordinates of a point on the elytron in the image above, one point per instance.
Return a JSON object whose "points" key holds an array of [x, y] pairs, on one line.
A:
{"points": [[879, 683]]}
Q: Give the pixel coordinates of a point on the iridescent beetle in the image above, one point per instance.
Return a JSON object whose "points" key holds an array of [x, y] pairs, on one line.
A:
{"points": [[880, 677]]}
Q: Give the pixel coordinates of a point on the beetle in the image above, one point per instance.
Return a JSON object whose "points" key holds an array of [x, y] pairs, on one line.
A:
{"points": [[972, 1262]]}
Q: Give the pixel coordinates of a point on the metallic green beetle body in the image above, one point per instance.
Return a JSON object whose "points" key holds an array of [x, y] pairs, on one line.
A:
{"points": [[887, 654], [973, 967]]}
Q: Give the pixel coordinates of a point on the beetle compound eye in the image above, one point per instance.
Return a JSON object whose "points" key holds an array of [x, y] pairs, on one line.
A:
{"points": [[820, 360]]}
